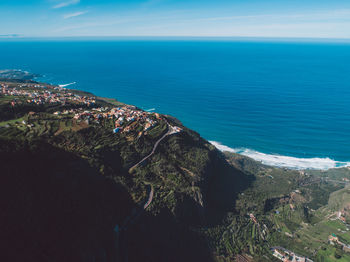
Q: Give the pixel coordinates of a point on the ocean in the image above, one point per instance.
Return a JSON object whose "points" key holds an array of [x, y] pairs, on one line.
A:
{"points": [[282, 103]]}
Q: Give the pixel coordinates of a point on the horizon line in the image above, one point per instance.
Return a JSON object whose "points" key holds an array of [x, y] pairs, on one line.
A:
{"points": [[173, 37]]}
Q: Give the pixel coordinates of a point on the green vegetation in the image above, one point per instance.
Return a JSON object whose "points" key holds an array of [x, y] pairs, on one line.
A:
{"points": [[330, 253], [207, 206]]}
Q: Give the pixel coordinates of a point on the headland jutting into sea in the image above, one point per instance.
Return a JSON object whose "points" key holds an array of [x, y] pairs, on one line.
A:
{"points": [[278, 98], [268, 159]]}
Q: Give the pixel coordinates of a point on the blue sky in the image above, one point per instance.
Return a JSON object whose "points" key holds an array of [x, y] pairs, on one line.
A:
{"points": [[247, 18]]}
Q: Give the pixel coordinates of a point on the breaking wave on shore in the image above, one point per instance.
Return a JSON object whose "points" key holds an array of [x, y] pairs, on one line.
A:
{"points": [[284, 161], [65, 85]]}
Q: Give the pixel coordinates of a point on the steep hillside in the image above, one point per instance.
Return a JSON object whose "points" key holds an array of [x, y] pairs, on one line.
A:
{"points": [[91, 179], [77, 180]]}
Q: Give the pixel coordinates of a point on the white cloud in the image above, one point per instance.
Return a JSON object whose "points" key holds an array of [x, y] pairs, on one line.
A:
{"points": [[315, 24], [65, 4], [90, 25], [310, 16], [67, 16]]}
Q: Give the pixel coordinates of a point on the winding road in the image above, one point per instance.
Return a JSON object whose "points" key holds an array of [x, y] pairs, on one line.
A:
{"points": [[137, 212], [150, 198], [171, 130]]}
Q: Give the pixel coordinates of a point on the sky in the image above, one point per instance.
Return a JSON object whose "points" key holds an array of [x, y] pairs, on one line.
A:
{"points": [[202, 18]]}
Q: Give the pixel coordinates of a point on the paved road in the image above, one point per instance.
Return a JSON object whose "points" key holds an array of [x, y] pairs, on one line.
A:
{"points": [[171, 130], [150, 198], [138, 211]]}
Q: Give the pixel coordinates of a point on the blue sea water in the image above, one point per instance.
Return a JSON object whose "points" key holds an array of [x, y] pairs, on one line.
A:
{"points": [[283, 103]]}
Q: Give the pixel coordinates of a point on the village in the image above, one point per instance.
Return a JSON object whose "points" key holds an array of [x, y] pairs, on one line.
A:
{"points": [[39, 95], [125, 118]]}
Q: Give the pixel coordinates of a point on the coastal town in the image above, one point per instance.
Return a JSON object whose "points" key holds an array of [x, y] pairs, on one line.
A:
{"points": [[40, 94], [125, 118]]}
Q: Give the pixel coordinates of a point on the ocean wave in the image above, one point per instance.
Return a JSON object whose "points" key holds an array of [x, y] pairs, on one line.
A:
{"points": [[64, 85], [284, 161]]}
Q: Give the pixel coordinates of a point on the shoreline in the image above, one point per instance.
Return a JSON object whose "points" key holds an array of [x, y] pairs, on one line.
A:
{"points": [[281, 161], [274, 160]]}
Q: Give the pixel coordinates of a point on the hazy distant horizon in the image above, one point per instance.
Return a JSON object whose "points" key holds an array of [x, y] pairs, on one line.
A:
{"points": [[178, 38]]}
